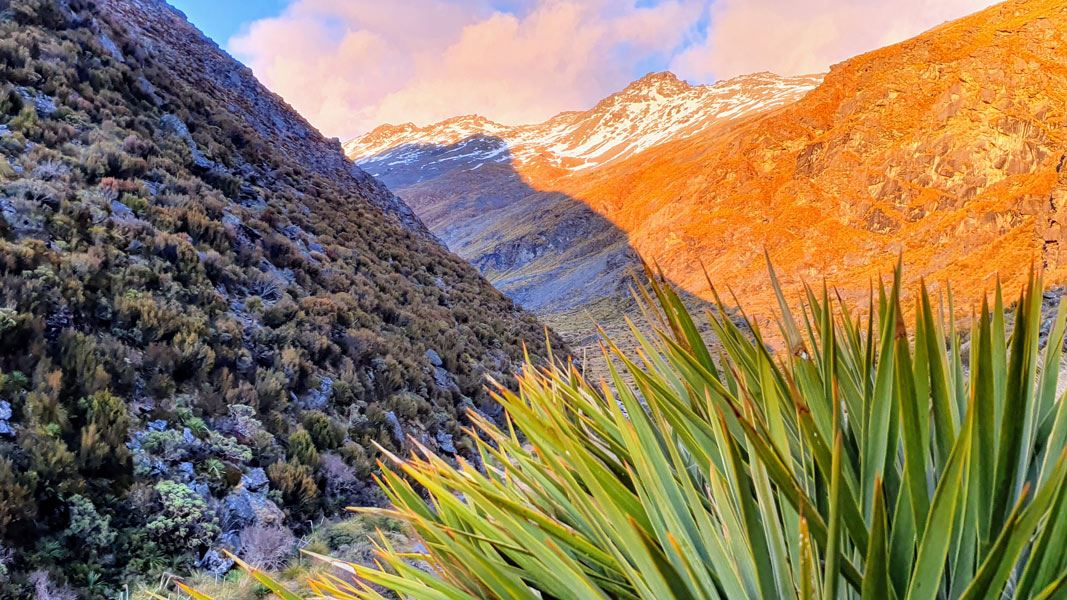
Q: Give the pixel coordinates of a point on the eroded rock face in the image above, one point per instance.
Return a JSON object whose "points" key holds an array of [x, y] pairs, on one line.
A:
{"points": [[172, 124], [42, 103], [23, 217], [255, 480], [5, 417]]}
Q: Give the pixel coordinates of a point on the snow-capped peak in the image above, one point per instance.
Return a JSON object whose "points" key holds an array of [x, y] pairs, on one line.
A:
{"points": [[663, 83], [652, 110]]}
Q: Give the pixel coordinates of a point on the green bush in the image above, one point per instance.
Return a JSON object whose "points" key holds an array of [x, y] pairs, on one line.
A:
{"points": [[295, 483], [88, 529], [183, 521], [324, 431], [17, 504], [103, 448]]}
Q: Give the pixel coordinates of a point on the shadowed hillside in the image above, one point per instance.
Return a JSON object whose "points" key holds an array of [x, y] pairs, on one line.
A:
{"points": [[208, 316], [547, 251]]}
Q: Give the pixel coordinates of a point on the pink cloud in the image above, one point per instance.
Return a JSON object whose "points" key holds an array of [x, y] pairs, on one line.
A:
{"points": [[350, 65], [793, 37]]}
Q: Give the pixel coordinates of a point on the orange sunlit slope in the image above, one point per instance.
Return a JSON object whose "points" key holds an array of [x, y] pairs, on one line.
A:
{"points": [[947, 149]]}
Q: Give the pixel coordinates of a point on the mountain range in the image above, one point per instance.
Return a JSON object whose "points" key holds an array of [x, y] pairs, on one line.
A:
{"points": [[655, 109], [212, 322], [946, 150], [490, 192]]}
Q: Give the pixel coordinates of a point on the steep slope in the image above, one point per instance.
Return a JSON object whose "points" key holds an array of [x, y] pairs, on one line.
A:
{"points": [[489, 191], [208, 316], [947, 149]]}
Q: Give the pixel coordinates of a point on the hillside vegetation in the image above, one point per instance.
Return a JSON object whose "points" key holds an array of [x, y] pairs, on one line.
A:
{"points": [[208, 317]]}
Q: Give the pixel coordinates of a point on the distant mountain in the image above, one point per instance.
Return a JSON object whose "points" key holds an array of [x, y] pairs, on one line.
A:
{"points": [[489, 191], [947, 150], [657, 108], [208, 316]]}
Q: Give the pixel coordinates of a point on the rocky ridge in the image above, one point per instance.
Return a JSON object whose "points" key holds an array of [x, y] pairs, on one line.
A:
{"points": [[196, 59], [946, 150]]}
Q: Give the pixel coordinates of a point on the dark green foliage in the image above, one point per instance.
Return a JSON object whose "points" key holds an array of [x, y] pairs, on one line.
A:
{"points": [[16, 499], [182, 520], [102, 448], [325, 432], [302, 448], [181, 302], [296, 485], [88, 529]]}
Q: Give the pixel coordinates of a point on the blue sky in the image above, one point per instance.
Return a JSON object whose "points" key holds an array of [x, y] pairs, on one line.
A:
{"points": [[223, 19]]}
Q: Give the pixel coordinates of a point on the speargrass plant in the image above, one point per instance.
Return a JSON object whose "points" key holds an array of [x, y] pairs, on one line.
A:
{"points": [[869, 459]]}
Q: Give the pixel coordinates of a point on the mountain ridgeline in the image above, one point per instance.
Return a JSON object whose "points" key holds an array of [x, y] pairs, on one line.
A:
{"points": [[208, 316]]}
